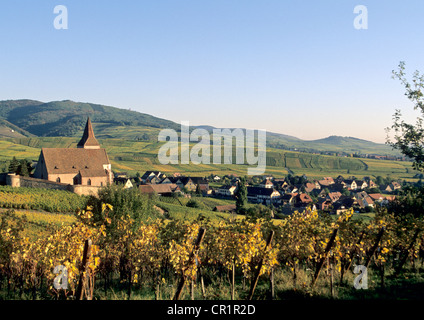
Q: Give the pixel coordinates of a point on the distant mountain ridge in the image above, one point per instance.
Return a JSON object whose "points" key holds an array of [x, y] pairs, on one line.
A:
{"points": [[67, 119]]}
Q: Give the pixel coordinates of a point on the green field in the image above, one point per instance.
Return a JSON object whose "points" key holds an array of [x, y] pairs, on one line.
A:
{"points": [[139, 156]]}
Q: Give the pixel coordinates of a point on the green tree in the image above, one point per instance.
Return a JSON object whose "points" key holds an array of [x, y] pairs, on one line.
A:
{"points": [[409, 202], [24, 168], [409, 138], [259, 211], [379, 181], [14, 165], [198, 190], [193, 204], [125, 202], [241, 196]]}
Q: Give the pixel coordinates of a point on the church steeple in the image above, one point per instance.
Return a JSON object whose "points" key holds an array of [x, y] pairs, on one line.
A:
{"points": [[88, 140]]}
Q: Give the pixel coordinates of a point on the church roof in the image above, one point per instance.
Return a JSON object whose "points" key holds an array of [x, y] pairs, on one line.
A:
{"points": [[88, 139], [87, 162]]}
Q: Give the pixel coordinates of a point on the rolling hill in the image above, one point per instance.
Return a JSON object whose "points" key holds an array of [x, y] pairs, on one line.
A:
{"points": [[130, 139], [29, 118]]}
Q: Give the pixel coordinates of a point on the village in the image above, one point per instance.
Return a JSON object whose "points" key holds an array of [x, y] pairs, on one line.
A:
{"points": [[285, 195], [86, 169]]}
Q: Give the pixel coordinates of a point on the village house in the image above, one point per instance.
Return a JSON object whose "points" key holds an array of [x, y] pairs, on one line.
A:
{"points": [[333, 196], [86, 165], [393, 186], [324, 204], [381, 199], [360, 184], [344, 203], [182, 182], [125, 182], [230, 208], [200, 182], [303, 200], [280, 183], [372, 184], [120, 174], [226, 191], [165, 190], [309, 186], [267, 183], [350, 184], [152, 177], [326, 181], [364, 200], [265, 196], [288, 198], [336, 187], [339, 179]]}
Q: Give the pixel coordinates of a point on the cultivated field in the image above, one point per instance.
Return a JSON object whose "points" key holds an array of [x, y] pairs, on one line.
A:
{"points": [[139, 156]]}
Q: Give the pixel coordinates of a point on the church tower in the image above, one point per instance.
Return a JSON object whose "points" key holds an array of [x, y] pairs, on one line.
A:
{"points": [[88, 140]]}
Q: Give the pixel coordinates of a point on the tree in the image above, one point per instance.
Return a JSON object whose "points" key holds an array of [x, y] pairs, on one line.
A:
{"points": [[409, 138], [125, 202], [259, 211], [379, 181], [241, 196], [198, 190], [14, 165], [193, 204], [20, 167], [24, 168]]}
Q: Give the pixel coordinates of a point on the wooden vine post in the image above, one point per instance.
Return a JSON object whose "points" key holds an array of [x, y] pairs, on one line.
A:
{"points": [[258, 271], [271, 282], [374, 248], [326, 251], [85, 285], [347, 266], [202, 283], [191, 260]]}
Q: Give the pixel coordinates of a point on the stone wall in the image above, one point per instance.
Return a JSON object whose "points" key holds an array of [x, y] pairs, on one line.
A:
{"points": [[28, 182], [84, 190]]}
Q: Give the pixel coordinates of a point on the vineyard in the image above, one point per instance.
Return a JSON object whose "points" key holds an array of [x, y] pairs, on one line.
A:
{"points": [[40, 199], [111, 257]]}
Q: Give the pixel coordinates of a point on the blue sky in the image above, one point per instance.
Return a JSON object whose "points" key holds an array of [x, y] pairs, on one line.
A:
{"points": [[294, 67]]}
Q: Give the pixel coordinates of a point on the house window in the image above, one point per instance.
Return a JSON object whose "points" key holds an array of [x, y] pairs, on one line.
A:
{"points": [[89, 182], [58, 180]]}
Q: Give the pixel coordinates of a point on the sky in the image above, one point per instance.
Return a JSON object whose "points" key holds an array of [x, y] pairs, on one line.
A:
{"points": [[299, 68]]}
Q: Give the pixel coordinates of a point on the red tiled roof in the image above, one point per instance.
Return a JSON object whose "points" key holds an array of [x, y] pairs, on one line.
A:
{"points": [[89, 162], [158, 188]]}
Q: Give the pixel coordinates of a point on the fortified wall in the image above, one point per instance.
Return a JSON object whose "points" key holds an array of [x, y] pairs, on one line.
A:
{"points": [[17, 181]]}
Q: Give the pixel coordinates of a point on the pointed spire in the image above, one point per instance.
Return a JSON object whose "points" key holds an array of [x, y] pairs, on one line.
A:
{"points": [[88, 140]]}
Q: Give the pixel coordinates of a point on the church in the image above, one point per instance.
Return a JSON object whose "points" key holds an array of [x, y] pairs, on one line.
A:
{"points": [[87, 165]]}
